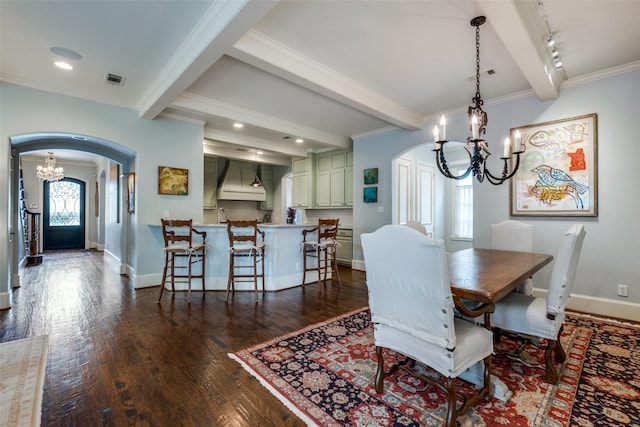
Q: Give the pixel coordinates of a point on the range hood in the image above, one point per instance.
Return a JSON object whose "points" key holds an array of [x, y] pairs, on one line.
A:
{"points": [[236, 180]]}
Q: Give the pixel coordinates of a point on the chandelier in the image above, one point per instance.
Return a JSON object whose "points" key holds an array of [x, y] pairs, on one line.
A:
{"points": [[477, 147], [49, 172]]}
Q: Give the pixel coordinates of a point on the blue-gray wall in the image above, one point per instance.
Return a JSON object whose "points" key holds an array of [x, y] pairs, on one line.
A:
{"points": [[610, 251], [156, 142]]}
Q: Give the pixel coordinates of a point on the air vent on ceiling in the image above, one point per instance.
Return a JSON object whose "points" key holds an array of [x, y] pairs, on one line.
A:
{"points": [[489, 72], [114, 79]]}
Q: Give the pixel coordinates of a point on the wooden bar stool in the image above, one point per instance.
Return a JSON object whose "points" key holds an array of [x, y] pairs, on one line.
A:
{"points": [[246, 254], [323, 250], [184, 246]]}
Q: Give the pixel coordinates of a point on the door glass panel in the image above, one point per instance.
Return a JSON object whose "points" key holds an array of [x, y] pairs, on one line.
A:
{"points": [[64, 203]]}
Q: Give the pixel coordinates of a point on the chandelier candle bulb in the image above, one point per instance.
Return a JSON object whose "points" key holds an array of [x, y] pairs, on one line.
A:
{"points": [[518, 142], [443, 123], [474, 127], [436, 135], [507, 148]]}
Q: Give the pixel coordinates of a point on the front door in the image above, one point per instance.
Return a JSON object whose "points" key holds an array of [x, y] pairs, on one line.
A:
{"points": [[63, 214]]}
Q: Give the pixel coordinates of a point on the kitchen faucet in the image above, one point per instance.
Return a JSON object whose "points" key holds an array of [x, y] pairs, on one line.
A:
{"points": [[222, 216]]}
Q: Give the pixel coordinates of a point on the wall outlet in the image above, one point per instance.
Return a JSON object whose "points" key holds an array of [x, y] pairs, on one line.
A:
{"points": [[297, 266], [623, 291], [165, 214], [380, 209]]}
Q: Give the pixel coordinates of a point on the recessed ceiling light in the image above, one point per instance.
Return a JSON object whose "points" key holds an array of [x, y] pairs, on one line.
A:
{"points": [[238, 125], [63, 65], [65, 53], [299, 140], [259, 152]]}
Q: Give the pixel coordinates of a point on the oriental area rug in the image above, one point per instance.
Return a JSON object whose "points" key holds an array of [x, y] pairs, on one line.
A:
{"points": [[22, 368], [324, 374]]}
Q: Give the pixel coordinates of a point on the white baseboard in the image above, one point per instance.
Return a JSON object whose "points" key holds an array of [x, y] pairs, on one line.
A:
{"points": [[146, 280], [599, 306], [15, 281], [5, 300], [357, 265], [97, 246]]}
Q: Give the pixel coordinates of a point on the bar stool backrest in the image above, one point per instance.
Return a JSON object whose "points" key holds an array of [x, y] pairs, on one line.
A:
{"points": [[243, 232], [327, 229], [177, 233]]}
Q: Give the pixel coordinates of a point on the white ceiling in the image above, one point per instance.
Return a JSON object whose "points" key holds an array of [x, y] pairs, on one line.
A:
{"points": [[324, 71]]}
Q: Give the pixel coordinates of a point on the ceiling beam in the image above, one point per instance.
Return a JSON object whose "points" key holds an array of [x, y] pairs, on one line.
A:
{"points": [[220, 27], [285, 149], [268, 55], [214, 148], [520, 27], [191, 103]]}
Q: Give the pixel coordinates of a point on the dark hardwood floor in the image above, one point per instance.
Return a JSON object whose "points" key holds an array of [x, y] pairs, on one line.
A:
{"points": [[118, 358]]}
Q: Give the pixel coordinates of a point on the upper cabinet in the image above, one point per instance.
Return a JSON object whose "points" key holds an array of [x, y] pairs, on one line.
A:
{"points": [[334, 180], [323, 181], [303, 196], [209, 200]]}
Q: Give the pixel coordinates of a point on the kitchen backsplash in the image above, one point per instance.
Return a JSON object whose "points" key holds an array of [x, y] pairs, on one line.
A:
{"points": [[248, 210], [235, 209]]}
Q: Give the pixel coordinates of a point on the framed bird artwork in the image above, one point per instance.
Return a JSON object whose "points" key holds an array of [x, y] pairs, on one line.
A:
{"points": [[558, 170]]}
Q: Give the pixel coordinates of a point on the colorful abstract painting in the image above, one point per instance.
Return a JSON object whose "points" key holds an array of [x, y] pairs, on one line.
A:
{"points": [[558, 170]]}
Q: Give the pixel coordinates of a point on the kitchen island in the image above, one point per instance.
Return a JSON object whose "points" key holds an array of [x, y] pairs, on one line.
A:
{"points": [[283, 257]]}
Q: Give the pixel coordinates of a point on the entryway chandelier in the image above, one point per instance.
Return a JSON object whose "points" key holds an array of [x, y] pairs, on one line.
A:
{"points": [[477, 147], [49, 172]]}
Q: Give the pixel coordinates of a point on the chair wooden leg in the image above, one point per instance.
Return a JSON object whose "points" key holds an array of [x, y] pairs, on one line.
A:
{"points": [[189, 278], [230, 276], [262, 257], [551, 371], [319, 267], [451, 402], [380, 374], [560, 354], [203, 260], [164, 275], [255, 276], [173, 272], [334, 262], [554, 347], [304, 266]]}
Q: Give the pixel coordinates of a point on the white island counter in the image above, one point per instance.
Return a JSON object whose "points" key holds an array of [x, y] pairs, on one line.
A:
{"points": [[283, 257]]}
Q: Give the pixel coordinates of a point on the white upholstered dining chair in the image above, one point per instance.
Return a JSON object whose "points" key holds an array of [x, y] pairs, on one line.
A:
{"points": [[513, 235], [543, 317], [412, 311]]}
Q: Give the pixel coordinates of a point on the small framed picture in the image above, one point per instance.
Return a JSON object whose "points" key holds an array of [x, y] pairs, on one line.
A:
{"points": [[173, 181], [371, 176], [131, 192], [370, 194]]}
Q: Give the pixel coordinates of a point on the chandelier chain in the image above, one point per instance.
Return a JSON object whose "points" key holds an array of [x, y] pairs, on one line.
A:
{"points": [[478, 62]]}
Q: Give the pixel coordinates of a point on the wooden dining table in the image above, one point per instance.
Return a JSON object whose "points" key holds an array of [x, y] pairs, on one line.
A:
{"points": [[483, 277], [488, 275]]}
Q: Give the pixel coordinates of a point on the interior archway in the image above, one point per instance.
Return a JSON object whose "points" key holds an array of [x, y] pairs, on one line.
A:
{"points": [[25, 143]]}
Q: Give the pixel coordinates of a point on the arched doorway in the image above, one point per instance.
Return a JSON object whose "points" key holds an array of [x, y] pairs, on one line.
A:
{"points": [[22, 144]]}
